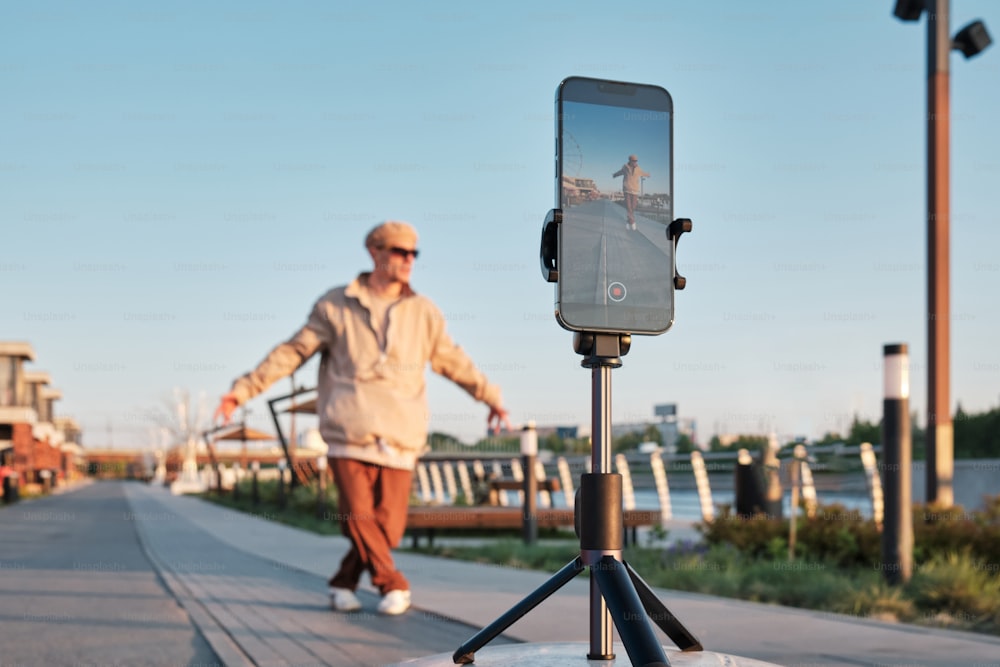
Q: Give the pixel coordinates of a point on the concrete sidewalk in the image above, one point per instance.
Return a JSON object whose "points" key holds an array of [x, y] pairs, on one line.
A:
{"points": [[476, 594]]}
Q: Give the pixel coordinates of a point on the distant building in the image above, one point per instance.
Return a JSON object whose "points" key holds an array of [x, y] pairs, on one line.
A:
{"points": [[35, 445], [578, 190]]}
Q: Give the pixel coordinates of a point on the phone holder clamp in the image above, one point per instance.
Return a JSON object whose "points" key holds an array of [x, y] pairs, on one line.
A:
{"points": [[674, 231], [548, 252]]}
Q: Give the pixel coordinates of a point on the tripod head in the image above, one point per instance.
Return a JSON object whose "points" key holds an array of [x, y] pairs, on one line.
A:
{"points": [[600, 349]]}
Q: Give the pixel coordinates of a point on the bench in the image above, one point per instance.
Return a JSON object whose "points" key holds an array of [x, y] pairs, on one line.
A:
{"points": [[428, 519]]}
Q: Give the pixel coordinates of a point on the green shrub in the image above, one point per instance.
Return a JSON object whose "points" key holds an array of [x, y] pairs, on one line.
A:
{"points": [[873, 597], [938, 530], [749, 535], [844, 538], [840, 536], [960, 585]]}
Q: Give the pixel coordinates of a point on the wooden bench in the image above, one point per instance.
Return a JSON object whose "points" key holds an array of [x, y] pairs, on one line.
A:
{"points": [[428, 519]]}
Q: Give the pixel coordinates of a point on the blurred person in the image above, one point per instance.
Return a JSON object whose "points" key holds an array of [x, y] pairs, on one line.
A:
{"points": [[631, 175], [376, 337]]}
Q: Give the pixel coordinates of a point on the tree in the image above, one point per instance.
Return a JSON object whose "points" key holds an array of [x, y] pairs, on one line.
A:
{"points": [[633, 439], [685, 445], [830, 438], [501, 444], [626, 441], [553, 443], [976, 435], [444, 442], [752, 443], [864, 431]]}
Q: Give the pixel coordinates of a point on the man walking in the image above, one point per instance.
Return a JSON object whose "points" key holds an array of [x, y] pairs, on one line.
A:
{"points": [[631, 175], [376, 337]]}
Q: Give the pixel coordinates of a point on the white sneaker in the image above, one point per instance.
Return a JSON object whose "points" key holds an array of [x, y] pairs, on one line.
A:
{"points": [[394, 602], [343, 599]]}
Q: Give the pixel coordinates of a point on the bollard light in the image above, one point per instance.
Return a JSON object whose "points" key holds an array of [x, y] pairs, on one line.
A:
{"points": [[255, 466], [896, 372], [321, 463], [897, 527], [529, 439]]}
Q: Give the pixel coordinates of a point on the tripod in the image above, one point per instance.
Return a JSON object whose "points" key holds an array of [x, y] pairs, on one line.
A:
{"points": [[617, 592]]}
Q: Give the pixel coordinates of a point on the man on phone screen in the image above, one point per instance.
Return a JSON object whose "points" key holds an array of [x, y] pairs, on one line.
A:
{"points": [[376, 337], [631, 175]]}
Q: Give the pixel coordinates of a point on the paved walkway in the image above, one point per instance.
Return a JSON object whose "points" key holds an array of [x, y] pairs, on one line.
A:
{"points": [[256, 591], [76, 588]]}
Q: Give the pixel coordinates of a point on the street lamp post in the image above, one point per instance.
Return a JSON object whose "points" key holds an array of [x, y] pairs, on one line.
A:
{"points": [[970, 40]]}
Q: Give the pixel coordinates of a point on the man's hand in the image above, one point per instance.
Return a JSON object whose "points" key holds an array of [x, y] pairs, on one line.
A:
{"points": [[497, 417], [227, 405]]}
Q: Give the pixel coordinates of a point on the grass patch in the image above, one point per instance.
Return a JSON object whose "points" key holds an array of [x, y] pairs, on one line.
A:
{"points": [[510, 552], [299, 509]]}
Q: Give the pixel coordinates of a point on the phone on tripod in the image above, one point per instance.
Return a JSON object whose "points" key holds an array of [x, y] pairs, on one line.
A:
{"points": [[614, 186]]}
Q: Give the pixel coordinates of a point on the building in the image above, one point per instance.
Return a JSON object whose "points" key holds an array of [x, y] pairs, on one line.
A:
{"points": [[36, 447]]}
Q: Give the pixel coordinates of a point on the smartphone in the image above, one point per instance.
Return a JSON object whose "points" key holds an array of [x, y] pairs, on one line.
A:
{"points": [[614, 185]]}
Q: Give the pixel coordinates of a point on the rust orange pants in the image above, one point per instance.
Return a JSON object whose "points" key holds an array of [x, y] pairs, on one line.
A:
{"points": [[372, 508]]}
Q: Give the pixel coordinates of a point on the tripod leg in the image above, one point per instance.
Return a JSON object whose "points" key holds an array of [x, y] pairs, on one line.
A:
{"points": [[466, 652], [658, 611], [626, 609]]}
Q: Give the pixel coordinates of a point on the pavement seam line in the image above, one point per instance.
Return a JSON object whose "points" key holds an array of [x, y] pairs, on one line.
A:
{"points": [[225, 646]]}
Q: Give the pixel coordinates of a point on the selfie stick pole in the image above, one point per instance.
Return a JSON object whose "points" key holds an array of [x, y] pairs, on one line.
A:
{"points": [[617, 592]]}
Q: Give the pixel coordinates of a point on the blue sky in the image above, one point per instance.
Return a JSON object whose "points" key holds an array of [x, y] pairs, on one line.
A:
{"points": [[596, 151], [180, 181]]}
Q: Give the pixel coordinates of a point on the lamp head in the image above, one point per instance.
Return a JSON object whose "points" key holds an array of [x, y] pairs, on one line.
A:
{"points": [[909, 10], [972, 39]]}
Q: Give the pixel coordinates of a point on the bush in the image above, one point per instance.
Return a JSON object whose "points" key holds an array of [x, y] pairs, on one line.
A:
{"points": [[937, 531], [877, 599], [965, 588], [844, 538], [749, 535], [840, 536]]}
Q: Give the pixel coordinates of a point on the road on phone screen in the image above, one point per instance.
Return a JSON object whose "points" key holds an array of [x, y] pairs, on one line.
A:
{"points": [[604, 262]]}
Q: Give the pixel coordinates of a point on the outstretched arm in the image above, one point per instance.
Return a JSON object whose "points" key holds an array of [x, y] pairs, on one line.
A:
{"points": [[498, 416], [227, 405], [450, 361], [280, 362]]}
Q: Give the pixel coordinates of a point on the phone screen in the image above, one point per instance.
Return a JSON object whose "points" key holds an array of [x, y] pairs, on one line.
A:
{"points": [[614, 185]]}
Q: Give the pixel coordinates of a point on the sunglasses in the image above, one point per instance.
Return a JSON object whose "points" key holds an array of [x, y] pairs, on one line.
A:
{"points": [[405, 253]]}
